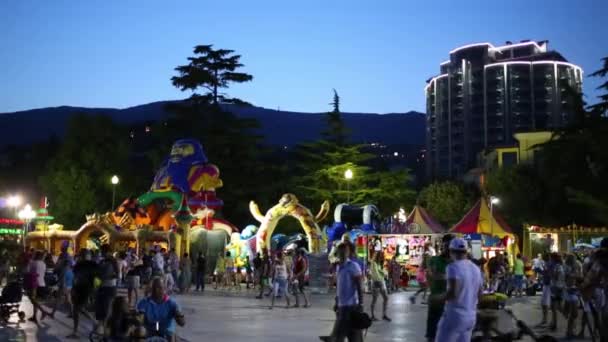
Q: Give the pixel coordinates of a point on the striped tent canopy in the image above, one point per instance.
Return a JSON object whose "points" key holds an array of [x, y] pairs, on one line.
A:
{"points": [[479, 220], [421, 222]]}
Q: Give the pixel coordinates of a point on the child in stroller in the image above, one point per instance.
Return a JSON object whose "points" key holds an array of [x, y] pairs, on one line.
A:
{"points": [[10, 300]]}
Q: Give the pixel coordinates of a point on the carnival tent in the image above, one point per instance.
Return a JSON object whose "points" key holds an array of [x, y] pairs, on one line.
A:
{"points": [[421, 222], [479, 220]]}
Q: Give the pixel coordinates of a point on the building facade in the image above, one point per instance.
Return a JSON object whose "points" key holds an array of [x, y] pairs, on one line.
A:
{"points": [[485, 94]]}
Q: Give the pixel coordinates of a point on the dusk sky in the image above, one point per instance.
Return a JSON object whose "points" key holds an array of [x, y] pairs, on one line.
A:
{"points": [[377, 54]]}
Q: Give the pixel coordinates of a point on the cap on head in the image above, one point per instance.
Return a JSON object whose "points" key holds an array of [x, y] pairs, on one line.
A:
{"points": [[458, 244]]}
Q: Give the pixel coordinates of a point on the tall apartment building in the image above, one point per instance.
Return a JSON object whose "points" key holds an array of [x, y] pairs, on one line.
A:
{"points": [[484, 94]]}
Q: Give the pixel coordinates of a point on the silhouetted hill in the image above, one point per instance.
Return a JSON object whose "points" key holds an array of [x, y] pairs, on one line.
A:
{"points": [[278, 127]]}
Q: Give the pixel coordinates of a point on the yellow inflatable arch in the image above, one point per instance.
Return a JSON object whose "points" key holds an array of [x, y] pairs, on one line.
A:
{"points": [[289, 205]]}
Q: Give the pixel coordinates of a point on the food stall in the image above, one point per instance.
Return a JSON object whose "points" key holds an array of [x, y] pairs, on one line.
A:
{"points": [[538, 239]]}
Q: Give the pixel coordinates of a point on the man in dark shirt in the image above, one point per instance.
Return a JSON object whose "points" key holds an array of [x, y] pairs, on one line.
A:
{"points": [[201, 269], [85, 271]]}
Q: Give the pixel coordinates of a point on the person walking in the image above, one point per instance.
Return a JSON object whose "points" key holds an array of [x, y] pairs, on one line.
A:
{"points": [[558, 285], [280, 277], [85, 272], [545, 301], [299, 277], [437, 286], [34, 281], [394, 274], [201, 270], [220, 270], [518, 276], [378, 276], [265, 275], [174, 264], [421, 275], [349, 297], [108, 273], [65, 290], [257, 269], [464, 286], [185, 276], [133, 280], [574, 273]]}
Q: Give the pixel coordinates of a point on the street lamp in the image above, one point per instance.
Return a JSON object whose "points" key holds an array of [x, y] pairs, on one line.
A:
{"points": [[348, 175], [493, 200], [115, 182], [26, 215]]}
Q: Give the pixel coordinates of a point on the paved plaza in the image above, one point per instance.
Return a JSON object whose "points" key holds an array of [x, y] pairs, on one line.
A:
{"points": [[238, 317]]}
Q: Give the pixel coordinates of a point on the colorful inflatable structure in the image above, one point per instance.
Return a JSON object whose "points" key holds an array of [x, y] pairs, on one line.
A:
{"points": [[355, 221], [289, 206], [178, 210]]}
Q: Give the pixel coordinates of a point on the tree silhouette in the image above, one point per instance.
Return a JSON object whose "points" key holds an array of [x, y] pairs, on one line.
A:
{"points": [[211, 70], [602, 106], [336, 131]]}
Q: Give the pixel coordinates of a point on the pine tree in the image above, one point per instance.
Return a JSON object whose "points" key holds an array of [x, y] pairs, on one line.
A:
{"points": [[211, 70]]}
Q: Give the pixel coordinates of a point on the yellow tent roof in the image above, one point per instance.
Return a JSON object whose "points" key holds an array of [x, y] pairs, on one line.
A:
{"points": [[479, 220]]}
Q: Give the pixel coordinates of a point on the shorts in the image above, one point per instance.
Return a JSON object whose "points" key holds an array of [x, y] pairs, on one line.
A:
{"points": [[133, 282], [518, 281], [378, 286], [105, 295], [571, 295], [546, 298], [297, 286], [279, 286]]}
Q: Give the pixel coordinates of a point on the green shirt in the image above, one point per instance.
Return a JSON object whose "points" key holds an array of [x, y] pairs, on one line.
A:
{"points": [[518, 267], [437, 266], [376, 271]]}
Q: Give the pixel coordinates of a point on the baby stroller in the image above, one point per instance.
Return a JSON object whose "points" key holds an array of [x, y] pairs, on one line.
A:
{"points": [[10, 300]]}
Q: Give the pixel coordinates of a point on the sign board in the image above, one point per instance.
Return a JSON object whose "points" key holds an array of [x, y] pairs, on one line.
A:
{"points": [[318, 269], [476, 249]]}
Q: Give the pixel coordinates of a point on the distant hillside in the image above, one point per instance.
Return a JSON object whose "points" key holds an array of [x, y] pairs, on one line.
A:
{"points": [[278, 127]]}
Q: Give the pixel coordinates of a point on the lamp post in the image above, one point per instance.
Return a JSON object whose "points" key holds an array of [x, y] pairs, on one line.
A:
{"points": [[493, 200], [115, 182], [26, 215], [348, 175]]}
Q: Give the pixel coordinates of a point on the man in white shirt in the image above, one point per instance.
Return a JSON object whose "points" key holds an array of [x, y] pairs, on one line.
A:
{"points": [[464, 287]]}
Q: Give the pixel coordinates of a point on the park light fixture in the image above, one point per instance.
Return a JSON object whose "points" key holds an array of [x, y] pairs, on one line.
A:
{"points": [[26, 215], [493, 201], [348, 174], [115, 182]]}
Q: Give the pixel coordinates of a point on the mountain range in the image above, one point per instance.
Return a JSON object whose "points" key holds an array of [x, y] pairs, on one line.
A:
{"points": [[278, 127]]}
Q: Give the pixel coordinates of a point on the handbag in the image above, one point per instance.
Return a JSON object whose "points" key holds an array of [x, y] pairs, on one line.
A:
{"points": [[360, 320]]}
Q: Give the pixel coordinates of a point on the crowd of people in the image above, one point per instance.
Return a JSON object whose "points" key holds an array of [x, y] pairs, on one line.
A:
{"points": [[572, 285], [87, 285]]}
